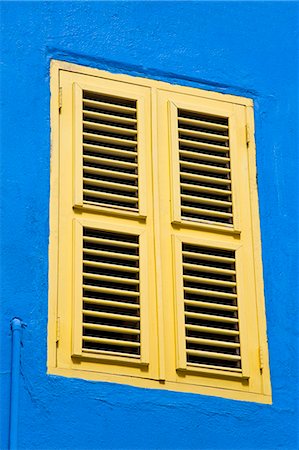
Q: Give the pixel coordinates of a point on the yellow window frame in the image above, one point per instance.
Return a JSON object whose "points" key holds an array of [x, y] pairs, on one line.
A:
{"points": [[162, 364]]}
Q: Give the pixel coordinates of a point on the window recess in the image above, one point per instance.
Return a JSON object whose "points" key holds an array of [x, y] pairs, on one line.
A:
{"points": [[155, 273]]}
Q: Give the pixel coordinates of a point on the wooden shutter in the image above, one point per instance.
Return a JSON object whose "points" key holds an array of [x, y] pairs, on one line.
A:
{"points": [[209, 233], [106, 227]]}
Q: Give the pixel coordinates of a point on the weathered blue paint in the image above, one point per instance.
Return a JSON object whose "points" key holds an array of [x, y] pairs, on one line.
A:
{"points": [[16, 326], [240, 48]]}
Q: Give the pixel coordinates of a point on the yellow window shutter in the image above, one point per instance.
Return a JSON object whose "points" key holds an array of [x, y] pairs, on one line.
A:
{"points": [[207, 232], [106, 255]]}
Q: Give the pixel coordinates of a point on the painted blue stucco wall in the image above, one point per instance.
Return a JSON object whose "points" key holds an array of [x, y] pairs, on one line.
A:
{"points": [[241, 48]]}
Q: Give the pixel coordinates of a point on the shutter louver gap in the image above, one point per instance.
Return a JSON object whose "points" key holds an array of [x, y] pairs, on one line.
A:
{"points": [[205, 174], [111, 306], [110, 159], [211, 308]]}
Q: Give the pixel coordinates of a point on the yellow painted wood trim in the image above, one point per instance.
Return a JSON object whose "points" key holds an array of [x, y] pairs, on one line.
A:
{"points": [[76, 68], [154, 384], [157, 240], [257, 252], [54, 218]]}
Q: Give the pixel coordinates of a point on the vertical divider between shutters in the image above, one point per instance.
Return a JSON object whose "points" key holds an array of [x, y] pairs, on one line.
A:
{"points": [[77, 137], [157, 236]]}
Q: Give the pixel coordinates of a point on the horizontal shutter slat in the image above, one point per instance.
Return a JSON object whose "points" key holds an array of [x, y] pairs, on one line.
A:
{"points": [[203, 156], [123, 317], [99, 301], [116, 329], [204, 167], [108, 107], [205, 212], [110, 266], [111, 341], [208, 305], [203, 178], [198, 134], [116, 129], [109, 117], [205, 201], [110, 162], [90, 287], [204, 124], [110, 173], [213, 342], [207, 268], [211, 317], [110, 254], [204, 146], [110, 278], [213, 330], [109, 196], [213, 355], [110, 151], [109, 139], [110, 185]]}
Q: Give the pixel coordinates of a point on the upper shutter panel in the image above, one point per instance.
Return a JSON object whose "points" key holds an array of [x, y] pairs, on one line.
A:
{"points": [[205, 174], [211, 308], [110, 151], [111, 294]]}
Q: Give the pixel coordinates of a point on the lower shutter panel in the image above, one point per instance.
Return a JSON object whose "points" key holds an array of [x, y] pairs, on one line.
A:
{"points": [[111, 294], [211, 308]]}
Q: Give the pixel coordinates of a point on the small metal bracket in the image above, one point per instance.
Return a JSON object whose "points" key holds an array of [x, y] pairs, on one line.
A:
{"points": [[57, 329], [60, 99], [247, 130], [261, 356]]}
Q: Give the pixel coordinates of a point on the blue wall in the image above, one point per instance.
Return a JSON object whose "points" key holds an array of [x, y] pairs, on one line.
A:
{"points": [[240, 48]]}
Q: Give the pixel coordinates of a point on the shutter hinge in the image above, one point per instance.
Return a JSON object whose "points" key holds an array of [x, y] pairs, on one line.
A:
{"points": [[261, 356], [247, 129], [60, 99], [57, 329]]}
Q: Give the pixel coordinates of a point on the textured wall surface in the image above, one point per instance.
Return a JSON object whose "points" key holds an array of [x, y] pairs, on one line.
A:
{"points": [[241, 48]]}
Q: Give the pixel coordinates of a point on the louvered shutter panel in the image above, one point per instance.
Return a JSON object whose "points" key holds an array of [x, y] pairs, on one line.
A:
{"points": [[204, 158], [110, 147], [110, 293], [110, 165], [211, 307], [111, 319]]}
